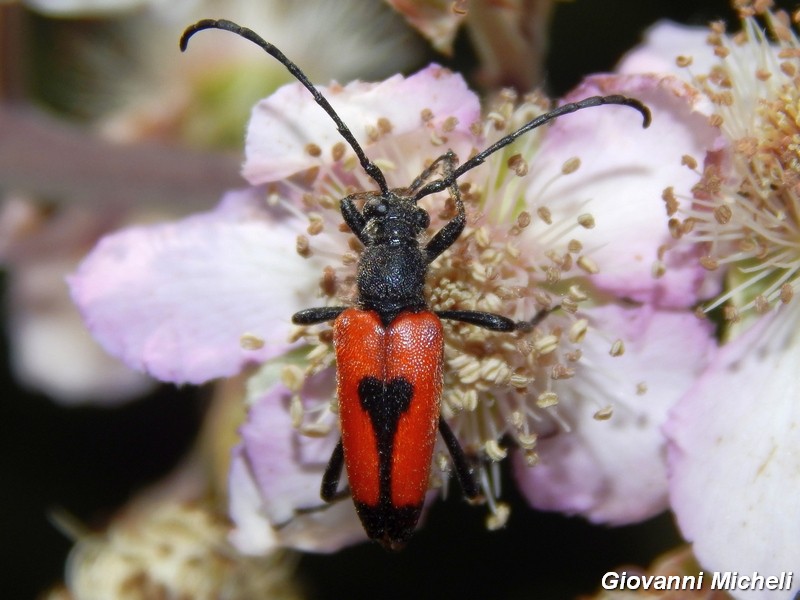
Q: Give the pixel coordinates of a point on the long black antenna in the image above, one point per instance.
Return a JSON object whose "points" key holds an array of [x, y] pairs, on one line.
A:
{"points": [[445, 182], [370, 167]]}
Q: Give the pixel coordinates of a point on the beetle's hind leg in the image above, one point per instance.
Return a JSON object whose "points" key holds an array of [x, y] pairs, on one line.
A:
{"points": [[329, 491], [461, 464]]}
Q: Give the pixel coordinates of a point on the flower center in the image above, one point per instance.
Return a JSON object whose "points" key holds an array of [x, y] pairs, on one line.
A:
{"points": [[507, 261], [750, 218]]}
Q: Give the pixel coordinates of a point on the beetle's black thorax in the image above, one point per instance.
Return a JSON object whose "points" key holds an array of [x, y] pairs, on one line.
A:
{"points": [[393, 266], [391, 279]]}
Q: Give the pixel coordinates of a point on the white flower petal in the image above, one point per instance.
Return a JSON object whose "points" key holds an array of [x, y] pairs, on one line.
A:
{"points": [[287, 466], [614, 471], [624, 171], [277, 139], [175, 299], [734, 454], [278, 481], [53, 352], [252, 532], [663, 43], [328, 530], [86, 8]]}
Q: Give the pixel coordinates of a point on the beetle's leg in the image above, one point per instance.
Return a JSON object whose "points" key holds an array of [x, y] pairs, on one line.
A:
{"points": [[447, 235], [330, 480], [492, 321], [312, 316], [353, 217], [461, 464], [448, 158]]}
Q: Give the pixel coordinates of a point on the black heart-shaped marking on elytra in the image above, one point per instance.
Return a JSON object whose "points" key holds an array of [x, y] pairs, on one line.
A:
{"points": [[385, 402]]}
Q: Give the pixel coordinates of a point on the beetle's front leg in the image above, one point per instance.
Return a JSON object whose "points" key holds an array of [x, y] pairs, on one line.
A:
{"points": [[449, 160], [447, 235], [353, 217], [321, 314]]}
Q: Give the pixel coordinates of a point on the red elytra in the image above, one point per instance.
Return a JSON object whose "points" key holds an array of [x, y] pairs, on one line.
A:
{"points": [[388, 426]]}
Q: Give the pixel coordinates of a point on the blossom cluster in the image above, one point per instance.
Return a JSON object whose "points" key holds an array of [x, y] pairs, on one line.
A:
{"points": [[568, 219], [666, 259]]}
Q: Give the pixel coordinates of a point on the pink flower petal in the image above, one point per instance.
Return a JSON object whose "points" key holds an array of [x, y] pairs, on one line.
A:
{"points": [[624, 171], [277, 138], [285, 468], [326, 530], [252, 533], [613, 471], [53, 352], [663, 43], [174, 300], [85, 8], [51, 349], [734, 454]]}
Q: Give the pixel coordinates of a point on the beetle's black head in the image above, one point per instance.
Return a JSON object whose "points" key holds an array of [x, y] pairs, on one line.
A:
{"points": [[393, 219]]}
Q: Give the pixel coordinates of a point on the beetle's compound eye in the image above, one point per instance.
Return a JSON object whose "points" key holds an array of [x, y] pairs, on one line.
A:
{"points": [[423, 220], [375, 208]]}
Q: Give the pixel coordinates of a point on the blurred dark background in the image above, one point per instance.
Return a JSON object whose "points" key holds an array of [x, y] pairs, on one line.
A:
{"points": [[89, 461]]}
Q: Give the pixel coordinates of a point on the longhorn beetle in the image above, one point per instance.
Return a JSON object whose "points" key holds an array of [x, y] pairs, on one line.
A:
{"points": [[389, 346]]}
